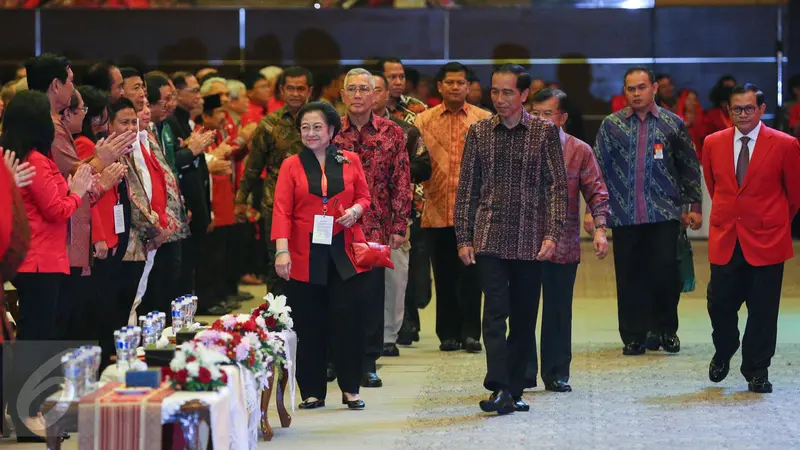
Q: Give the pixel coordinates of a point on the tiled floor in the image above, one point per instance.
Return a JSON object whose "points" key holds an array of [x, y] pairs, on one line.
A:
{"points": [[655, 401]]}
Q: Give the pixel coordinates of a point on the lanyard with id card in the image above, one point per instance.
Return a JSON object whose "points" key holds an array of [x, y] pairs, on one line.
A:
{"points": [[323, 224], [119, 217]]}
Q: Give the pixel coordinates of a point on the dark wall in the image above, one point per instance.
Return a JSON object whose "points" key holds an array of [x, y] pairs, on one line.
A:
{"points": [[585, 50]]}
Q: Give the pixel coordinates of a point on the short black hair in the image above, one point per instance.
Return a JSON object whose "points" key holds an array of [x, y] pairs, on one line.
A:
{"points": [[389, 59], [332, 118], [296, 71], [452, 67], [251, 78], [650, 75], [382, 76], [45, 68], [546, 94], [99, 76], [27, 124], [130, 72], [96, 101], [794, 81], [661, 76], [472, 77], [745, 88], [154, 83], [523, 77], [122, 104], [179, 79]]}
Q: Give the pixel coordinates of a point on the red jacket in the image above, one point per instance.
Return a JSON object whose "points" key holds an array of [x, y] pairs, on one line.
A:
{"points": [[298, 198], [48, 205], [759, 213]]}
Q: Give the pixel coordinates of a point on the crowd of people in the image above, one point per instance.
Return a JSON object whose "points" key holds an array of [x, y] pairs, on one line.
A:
{"points": [[140, 187]]}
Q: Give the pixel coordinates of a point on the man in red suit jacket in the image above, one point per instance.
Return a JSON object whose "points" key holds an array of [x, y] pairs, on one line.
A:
{"points": [[751, 173]]}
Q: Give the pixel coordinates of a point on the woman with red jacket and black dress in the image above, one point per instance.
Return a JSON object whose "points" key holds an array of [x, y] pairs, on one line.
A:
{"points": [[321, 192]]}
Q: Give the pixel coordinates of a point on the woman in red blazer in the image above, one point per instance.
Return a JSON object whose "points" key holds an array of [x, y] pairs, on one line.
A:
{"points": [[49, 202], [323, 280]]}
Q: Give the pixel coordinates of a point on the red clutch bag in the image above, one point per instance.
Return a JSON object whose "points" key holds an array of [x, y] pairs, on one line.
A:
{"points": [[369, 254]]}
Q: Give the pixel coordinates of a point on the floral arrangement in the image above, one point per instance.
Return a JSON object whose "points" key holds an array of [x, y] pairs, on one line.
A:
{"points": [[196, 367], [249, 345], [275, 313]]}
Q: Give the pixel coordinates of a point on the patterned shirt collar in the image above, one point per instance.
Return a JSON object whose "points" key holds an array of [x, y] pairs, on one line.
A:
{"points": [[373, 120], [526, 120], [460, 110], [654, 110]]}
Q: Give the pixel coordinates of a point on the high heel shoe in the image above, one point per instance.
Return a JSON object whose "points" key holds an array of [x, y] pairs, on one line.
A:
{"points": [[312, 404], [353, 404]]}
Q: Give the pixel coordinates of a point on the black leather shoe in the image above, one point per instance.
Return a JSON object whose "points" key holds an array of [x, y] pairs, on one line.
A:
{"points": [[671, 343], [558, 386], [353, 404], [633, 348], [652, 342], [390, 350], [312, 404], [471, 345], [718, 370], [450, 345], [759, 385], [500, 402], [331, 373], [371, 380], [404, 338], [520, 405]]}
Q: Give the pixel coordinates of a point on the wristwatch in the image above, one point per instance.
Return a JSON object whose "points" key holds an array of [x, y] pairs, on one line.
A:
{"points": [[602, 226]]}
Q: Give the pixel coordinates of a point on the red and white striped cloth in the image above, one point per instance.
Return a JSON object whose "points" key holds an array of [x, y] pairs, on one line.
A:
{"points": [[108, 420]]}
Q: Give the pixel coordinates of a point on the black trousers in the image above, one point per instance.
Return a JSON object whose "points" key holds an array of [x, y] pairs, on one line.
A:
{"points": [[312, 308], [235, 256], [74, 306], [252, 242], [512, 290], [458, 290], [212, 270], [648, 279], [191, 252], [732, 285], [418, 291], [558, 283], [38, 296], [163, 283], [115, 284], [373, 317]]}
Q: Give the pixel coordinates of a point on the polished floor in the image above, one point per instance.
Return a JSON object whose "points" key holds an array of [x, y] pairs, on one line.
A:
{"points": [[655, 401]]}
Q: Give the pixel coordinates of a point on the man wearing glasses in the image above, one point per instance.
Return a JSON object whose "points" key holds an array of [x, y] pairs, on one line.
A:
{"points": [[276, 138], [381, 146], [651, 171], [751, 172]]}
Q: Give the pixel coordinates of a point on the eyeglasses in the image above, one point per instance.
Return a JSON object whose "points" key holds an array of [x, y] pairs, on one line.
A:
{"points": [[546, 114], [738, 110], [84, 109], [361, 89]]}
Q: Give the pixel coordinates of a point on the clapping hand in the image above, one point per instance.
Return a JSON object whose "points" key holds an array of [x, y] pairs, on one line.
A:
{"points": [[112, 175], [23, 173], [82, 180], [111, 149]]}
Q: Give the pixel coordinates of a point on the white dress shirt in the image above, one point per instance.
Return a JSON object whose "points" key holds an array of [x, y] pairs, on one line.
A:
{"points": [[737, 142]]}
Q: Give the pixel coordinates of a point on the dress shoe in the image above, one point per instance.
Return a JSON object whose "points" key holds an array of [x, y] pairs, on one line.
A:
{"points": [[520, 405], [404, 338], [472, 346], [450, 345], [312, 404], [353, 404], [671, 343], [633, 348], [718, 370], [331, 374], [500, 402], [390, 350], [652, 342], [759, 385], [558, 386], [371, 380]]}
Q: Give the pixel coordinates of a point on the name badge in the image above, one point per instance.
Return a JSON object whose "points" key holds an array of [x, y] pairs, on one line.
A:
{"points": [[119, 219], [323, 230], [658, 151]]}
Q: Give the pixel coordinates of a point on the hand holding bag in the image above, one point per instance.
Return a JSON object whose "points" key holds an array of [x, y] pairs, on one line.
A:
{"points": [[368, 254]]}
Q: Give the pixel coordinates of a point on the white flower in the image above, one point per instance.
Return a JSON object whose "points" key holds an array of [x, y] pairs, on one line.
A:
{"points": [[193, 368], [242, 318], [178, 362], [261, 322], [278, 305], [215, 372]]}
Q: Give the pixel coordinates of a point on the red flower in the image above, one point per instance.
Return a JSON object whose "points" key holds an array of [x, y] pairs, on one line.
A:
{"points": [[181, 376], [204, 376], [271, 323], [224, 376], [191, 359]]}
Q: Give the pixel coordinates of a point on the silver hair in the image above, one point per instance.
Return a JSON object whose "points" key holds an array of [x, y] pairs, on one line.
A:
{"points": [[360, 71], [234, 88], [206, 87], [271, 73]]}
